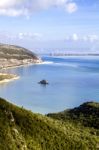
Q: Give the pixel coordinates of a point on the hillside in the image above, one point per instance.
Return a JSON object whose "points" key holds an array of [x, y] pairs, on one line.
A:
{"points": [[86, 114], [23, 130], [11, 55]]}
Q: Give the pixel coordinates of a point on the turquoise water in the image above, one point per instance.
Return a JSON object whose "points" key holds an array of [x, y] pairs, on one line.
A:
{"points": [[72, 81]]}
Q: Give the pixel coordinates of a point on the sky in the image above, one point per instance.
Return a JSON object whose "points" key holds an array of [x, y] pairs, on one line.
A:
{"points": [[51, 25]]}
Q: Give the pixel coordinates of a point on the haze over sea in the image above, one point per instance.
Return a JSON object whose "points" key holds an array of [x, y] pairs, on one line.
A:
{"points": [[72, 81]]}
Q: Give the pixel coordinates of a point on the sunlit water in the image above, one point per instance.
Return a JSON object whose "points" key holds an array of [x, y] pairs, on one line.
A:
{"points": [[72, 81]]}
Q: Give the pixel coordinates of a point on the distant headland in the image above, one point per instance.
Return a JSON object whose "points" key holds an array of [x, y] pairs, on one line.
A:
{"points": [[73, 54], [15, 56], [12, 56]]}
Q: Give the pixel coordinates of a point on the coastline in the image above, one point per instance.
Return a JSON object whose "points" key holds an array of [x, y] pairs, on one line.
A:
{"points": [[20, 65], [11, 78]]}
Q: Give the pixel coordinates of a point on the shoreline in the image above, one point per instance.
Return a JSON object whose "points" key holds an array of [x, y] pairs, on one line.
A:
{"points": [[21, 65], [15, 77], [12, 78]]}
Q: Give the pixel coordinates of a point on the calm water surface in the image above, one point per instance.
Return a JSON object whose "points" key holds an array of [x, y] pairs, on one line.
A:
{"points": [[72, 81]]}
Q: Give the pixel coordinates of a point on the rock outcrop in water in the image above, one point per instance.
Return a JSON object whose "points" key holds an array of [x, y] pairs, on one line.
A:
{"points": [[11, 56], [44, 82]]}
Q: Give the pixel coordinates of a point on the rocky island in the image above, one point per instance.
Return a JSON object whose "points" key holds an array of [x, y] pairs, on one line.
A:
{"points": [[43, 82]]}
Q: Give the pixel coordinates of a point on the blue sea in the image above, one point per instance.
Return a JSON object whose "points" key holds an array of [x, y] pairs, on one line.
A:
{"points": [[72, 81]]}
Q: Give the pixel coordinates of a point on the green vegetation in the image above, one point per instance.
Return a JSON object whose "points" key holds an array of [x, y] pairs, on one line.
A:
{"points": [[23, 130], [86, 114]]}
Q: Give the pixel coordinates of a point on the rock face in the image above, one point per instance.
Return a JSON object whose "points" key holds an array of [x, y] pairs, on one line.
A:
{"points": [[44, 82], [11, 56]]}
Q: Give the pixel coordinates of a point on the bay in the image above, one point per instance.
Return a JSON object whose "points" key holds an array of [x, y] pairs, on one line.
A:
{"points": [[72, 81]]}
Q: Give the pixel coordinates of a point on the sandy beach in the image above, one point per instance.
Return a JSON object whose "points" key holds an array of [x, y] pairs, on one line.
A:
{"points": [[11, 77], [8, 77]]}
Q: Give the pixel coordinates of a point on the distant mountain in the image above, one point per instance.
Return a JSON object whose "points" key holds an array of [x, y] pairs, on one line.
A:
{"points": [[11, 55], [23, 130]]}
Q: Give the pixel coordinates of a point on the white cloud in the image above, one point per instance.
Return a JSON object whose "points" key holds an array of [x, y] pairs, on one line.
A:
{"points": [[93, 38], [26, 7], [13, 12], [7, 3], [21, 36], [85, 38], [29, 35], [75, 37], [71, 7]]}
